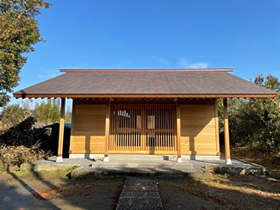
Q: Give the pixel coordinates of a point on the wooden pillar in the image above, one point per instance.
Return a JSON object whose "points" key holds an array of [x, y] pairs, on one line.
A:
{"points": [[217, 128], [61, 131], [179, 159], [72, 128], [226, 133], [107, 131]]}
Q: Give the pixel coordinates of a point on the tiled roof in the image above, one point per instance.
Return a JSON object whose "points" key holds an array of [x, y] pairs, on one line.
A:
{"points": [[171, 82]]}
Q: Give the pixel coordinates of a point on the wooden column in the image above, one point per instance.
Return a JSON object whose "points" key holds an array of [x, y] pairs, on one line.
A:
{"points": [[179, 159], [226, 133], [61, 131], [217, 128], [72, 128], [107, 131]]}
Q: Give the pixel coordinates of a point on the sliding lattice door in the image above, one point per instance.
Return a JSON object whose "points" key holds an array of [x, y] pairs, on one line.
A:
{"points": [[143, 128]]}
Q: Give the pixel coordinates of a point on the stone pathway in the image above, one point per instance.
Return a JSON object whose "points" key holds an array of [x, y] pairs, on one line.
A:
{"points": [[139, 194]]}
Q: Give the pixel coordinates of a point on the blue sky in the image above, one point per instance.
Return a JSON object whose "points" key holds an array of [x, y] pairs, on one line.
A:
{"points": [[243, 34]]}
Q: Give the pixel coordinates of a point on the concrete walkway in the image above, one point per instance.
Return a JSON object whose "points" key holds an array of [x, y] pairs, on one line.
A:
{"points": [[139, 194], [141, 165]]}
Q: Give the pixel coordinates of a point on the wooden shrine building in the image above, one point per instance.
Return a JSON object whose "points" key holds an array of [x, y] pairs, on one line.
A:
{"points": [[148, 111]]}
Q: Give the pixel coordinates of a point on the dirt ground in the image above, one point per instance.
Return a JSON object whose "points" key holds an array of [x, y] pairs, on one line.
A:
{"points": [[220, 192], [54, 190]]}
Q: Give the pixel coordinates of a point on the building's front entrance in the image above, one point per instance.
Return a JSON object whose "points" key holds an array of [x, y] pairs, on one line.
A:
{"points": [[143, 128]]}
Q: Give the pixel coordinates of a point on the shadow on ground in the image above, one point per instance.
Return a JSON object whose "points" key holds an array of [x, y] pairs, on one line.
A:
{"points": [[54, 190], [219, 192]]}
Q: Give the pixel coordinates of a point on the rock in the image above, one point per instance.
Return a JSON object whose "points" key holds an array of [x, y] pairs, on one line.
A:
{"points": [[274, 174], [80, 173], [201, 176], [243, 172]]}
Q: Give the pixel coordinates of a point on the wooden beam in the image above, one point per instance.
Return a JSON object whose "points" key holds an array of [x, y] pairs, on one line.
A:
{"points": [[179, 153], [107, 131], [61, 131], [226, 133], [217, 137]]}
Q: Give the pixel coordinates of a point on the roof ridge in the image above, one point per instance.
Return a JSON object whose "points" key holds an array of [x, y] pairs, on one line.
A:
{"points": [[146, 70]]}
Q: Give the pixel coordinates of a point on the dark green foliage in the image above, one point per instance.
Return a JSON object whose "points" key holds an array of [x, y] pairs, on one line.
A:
{"points": [[68, 115], [18, 33], [13, 114], [47, 112], [256, 122]]}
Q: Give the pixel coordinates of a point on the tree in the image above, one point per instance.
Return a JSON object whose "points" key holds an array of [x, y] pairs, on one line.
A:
{"points": [[256, 122], [18, 33], [68, 115], [13, 114], [47, 112]]}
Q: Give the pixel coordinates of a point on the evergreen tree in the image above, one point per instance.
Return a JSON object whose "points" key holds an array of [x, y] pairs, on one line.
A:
{"points": [[47, 112], [256, 122], [18, 33]]}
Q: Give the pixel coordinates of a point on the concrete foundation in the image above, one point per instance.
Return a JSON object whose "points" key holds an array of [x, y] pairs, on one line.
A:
{"points": [[140, 164], [228, 162], [59, 159], [154, 157], [201, 157], [88, 156]]}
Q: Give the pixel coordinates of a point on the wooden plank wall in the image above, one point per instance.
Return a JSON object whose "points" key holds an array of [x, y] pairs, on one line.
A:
{"points": [[88, 129], [198, 129]]}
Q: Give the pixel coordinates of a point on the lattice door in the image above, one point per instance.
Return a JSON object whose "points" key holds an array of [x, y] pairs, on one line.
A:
{"points": [[143, 128]]}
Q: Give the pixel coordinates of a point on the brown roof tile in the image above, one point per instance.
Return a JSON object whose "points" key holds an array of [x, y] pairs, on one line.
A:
{"points": [[210, 82]]}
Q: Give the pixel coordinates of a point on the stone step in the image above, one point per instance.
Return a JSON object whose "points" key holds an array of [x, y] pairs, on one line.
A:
{"points": [[139, 194], [141, 165], [142, 157]]}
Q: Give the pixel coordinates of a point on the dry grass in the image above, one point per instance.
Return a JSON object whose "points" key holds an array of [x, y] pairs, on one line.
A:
{"points": [[16, 155], [62, 191], [231, 192], [271, 161]]}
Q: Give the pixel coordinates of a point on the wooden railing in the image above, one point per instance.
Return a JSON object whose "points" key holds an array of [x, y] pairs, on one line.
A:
{"points": [[143, 128]]}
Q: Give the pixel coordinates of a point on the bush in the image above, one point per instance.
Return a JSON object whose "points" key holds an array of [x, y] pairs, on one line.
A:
{"points": [[16, 155]]}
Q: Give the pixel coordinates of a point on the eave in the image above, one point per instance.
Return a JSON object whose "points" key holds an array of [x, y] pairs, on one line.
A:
{"points": [[255, 95]]}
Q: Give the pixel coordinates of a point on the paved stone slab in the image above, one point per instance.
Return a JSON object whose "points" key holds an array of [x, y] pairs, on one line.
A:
{"points": [[139, 194], [130, 165]]}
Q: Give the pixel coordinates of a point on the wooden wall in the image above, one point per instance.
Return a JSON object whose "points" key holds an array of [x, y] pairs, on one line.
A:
{"points": [[199, 134], [88, 129], [198, 129]]}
